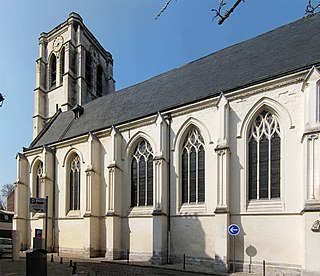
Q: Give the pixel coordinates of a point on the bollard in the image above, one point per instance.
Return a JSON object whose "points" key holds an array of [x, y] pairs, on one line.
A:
{"points": [[52, 258], [15, 245], [74, 269], [70, 263], [127, 255], [264, 268], [60, 260], [184, 261]]}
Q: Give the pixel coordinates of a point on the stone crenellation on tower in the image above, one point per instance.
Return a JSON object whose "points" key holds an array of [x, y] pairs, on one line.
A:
{"points": [[72, 68]]}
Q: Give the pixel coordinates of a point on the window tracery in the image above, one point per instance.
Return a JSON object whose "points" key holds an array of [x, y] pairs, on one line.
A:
{"points": [[193, 168], [74, 184], [142, 175], [264, 157]]}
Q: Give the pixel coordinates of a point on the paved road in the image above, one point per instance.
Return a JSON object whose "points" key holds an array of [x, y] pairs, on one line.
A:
{"points": [[13, 268], [113, 269]]}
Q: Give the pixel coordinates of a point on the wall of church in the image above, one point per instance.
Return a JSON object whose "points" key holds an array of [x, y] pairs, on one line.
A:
{"points": [[275, 230]]}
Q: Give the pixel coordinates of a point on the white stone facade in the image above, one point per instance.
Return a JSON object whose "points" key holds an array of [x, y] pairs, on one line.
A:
{"points": [[281, 231]]}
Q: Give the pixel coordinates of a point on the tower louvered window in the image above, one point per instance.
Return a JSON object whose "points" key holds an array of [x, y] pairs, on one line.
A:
{"points": [[88, 68], [62, 68], [264, 157], [38, 180], [142, 175], [99, 80], [53, 70], [193, 168], [74, 185]]}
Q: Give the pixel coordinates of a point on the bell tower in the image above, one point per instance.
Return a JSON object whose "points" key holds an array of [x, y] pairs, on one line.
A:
{"points": [[72, 68]]}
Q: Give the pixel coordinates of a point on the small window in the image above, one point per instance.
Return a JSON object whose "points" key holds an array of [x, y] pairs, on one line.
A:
{"points": [[193, 168], [99, 80], [39, 172], [53, 71], [142, 175]]}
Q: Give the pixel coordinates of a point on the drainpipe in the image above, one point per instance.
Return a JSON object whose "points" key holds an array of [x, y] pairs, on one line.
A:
{"points": [[169, 118], [54, 199]]}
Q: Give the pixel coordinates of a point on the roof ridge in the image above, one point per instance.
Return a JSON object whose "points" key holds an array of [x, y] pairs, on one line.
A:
{"points": [[220, 50]]}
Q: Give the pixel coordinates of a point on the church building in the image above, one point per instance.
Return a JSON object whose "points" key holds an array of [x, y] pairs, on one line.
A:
{"points": [[162, 168]]}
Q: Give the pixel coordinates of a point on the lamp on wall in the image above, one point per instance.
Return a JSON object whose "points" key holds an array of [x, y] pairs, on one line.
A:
{"points": [[1, 100]]}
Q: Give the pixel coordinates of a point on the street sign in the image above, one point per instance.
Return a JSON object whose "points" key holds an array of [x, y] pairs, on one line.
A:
{"points": [[37, 205], [233, 229], [38, 233]]}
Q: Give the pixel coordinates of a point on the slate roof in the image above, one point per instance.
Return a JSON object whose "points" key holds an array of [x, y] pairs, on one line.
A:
{"points": [[290, 48]]}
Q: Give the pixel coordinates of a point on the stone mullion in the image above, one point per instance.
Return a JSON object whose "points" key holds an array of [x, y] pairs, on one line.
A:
{"points": [[258, 169], [197, 176], [188, 177], [269, 168]]}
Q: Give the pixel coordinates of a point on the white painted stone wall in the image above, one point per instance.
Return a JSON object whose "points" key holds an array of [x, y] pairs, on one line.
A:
{"points": [[277, 231]]}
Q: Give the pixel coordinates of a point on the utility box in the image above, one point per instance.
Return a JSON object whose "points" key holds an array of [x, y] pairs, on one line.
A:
{"points": [[38, 243], [36, 262]]}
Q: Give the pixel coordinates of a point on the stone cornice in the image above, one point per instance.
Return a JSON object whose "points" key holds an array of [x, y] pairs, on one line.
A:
{"points": [[272, 85]]}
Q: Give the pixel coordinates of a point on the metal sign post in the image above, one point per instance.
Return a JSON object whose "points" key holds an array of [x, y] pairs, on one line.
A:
{"points": [[46, 233], [37, 205], [234, 230], [40, 205]]}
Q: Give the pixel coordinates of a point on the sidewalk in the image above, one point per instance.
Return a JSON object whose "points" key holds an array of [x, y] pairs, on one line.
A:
{"points": [[99, 266], [178, 267], [9, 267]]}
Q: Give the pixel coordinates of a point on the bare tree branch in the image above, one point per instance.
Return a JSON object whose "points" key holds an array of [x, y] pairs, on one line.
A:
{"points": [[5, 191], [227, 13], [310, 8], [163, 9], [218, 11], [224, 14]]}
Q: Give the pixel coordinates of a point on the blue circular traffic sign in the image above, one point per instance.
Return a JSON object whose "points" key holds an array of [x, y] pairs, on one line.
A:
{"points": [[233, 229]]}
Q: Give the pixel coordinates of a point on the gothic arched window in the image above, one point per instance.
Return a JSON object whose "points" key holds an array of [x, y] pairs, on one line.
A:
{"points": [[39, 172], [264, 144], [62, 68], [99, 80], [74, 183], [53, 70], [142, 175], [193, 168]]}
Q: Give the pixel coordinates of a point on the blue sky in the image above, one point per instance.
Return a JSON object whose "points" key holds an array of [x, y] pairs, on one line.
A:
{"points": [[141, 46]]}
